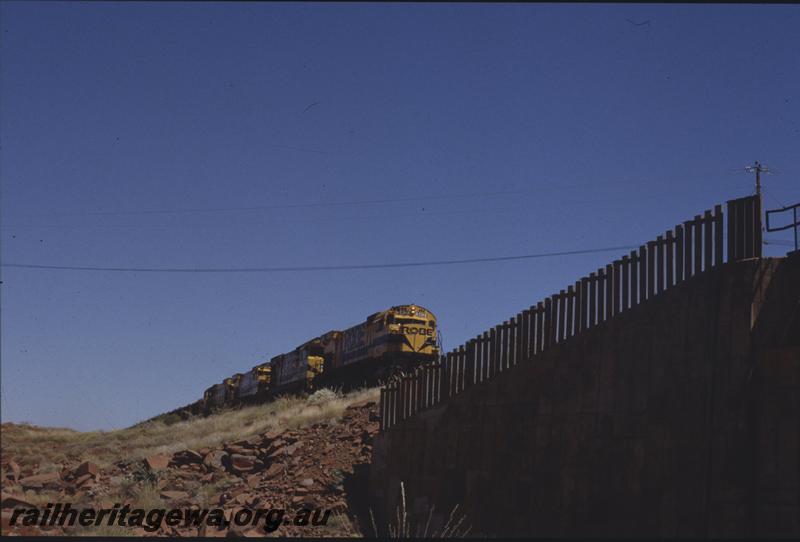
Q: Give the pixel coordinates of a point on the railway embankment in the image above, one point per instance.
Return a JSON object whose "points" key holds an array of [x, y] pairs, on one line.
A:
{"points": [[677, 417]]}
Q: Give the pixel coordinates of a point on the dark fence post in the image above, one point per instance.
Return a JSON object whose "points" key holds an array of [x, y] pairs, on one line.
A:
{"points": [[522, 337], [584, 315], [678, 254], [739, 224], [732, 231], [602, 290], [387, 412], [626, 265], [486, 355], [687, 250], [548, 322], [660, 264], [651, 268], [399, 412], [428, 384], [503, 365], [469, 372], [609, 301], [412, 392], [462, 359], [493, 340], [580, 303], [592, 299], [718, 235], [708, 240], [445, 384], [670, 260], [615, 296], [497, 357], [540, 310], [570, 331], [758, 244], [642, 273], [509, 341], [435, 382], [749, 237], [634, 278], [382, 425], [698, 244], [419, 375], [400, 399]]}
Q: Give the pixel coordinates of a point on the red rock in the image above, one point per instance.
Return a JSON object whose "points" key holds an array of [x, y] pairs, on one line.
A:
{"points": [[236, 490], [253, 480], [87, 467], [274, 470], [241, 463], [174, 495], [277, 452], [40, 480], [187, 456], [307, 482], [81, 480], [157, 462], [5, 520], [216, 459], [238, 449]]}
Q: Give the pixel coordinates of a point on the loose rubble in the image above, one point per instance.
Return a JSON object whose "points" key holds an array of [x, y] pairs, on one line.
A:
{"points": [[290, 469]]}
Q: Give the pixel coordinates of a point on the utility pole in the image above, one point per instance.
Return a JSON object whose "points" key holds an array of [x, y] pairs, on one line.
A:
{"points": [[758, 168]]}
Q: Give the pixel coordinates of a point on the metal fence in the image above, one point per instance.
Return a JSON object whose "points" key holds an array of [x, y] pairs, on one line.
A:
{"points": [[690, 248]]}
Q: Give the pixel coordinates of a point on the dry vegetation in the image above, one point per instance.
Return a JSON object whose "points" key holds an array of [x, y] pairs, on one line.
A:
{"points": [[49, 448]]}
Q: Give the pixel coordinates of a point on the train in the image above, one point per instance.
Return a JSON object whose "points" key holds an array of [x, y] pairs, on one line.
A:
{"points": [[384, 344]]}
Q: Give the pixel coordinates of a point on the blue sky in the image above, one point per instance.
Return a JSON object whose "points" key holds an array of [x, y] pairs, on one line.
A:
{"points": [[519, 128]]}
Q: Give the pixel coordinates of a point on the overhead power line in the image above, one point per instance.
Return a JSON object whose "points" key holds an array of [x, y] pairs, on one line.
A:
{"points": [[300, 218], [277, 206], [315, 267]]}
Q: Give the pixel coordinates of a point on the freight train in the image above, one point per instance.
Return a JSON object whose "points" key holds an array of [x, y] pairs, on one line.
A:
{"points": [[385, 343]]}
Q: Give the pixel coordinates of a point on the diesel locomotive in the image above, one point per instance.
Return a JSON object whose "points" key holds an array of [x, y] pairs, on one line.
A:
{"points": [[386, 342]]}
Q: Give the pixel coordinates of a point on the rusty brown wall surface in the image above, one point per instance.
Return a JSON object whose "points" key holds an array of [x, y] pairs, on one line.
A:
{"points": [[664, 421]]}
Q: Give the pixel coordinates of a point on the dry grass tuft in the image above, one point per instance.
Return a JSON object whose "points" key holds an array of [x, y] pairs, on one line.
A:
{"points": [[402, 527], [49, 448]]}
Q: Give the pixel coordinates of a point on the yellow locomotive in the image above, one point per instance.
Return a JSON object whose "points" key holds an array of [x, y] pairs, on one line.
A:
{"points": [[387, 341]]}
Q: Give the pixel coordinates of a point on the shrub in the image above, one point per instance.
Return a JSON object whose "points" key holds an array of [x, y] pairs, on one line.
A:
{"points": [[322, 396]]}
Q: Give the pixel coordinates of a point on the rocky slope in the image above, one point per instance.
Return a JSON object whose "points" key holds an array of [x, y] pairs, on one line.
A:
{"points": [[313, 466]]}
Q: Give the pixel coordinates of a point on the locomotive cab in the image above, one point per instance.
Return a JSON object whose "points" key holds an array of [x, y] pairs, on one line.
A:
{"points": [[411, 330]]}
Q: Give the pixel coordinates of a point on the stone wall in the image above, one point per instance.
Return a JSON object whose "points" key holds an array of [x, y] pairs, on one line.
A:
{"points": [[678, 417]]}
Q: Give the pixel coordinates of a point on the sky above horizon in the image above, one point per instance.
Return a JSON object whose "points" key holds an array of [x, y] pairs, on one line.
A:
{"points": [[273, 135]]}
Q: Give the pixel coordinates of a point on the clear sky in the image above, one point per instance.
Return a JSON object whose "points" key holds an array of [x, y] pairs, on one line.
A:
{"points": [[501, 129]]}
